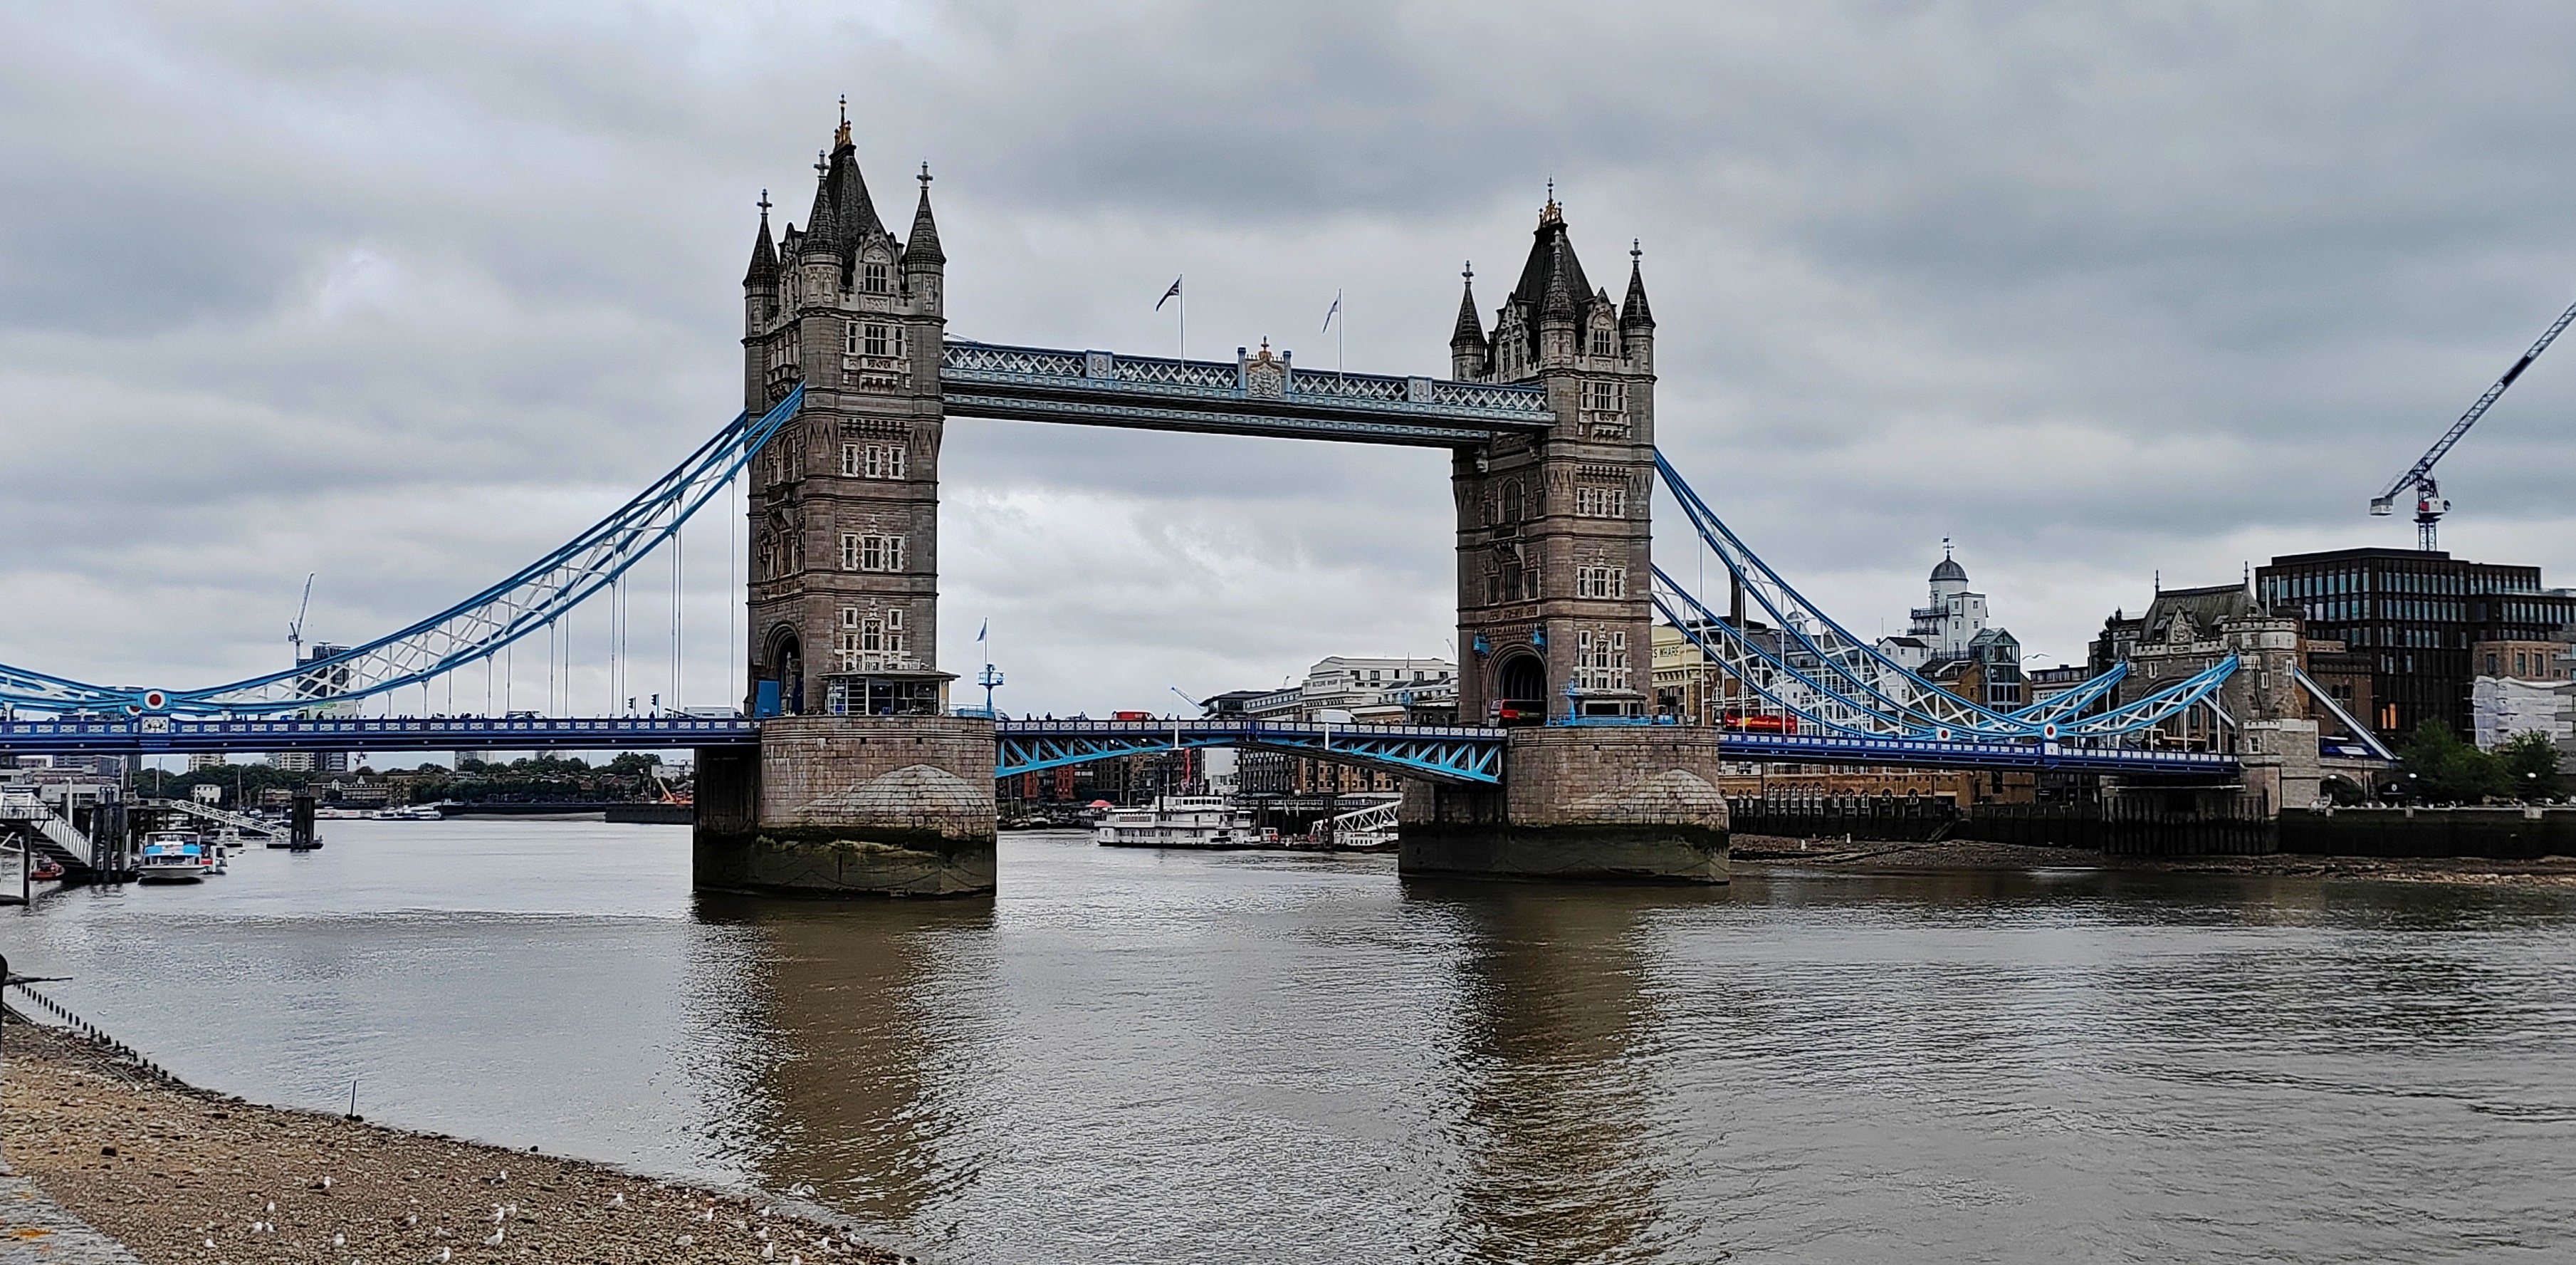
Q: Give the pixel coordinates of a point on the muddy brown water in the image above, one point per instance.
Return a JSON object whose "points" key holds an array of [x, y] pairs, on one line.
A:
{"points": [[1145, 1056]]}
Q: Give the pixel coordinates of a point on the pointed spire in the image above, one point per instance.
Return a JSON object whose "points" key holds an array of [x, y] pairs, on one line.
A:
{"points": [[1471, 328], [764, 253], [820, 222], [1559, 302], [1634, 314], [922, 247]]}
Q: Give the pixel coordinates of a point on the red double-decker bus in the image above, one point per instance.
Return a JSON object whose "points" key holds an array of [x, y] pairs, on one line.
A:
{"points": [[1756, 722]]}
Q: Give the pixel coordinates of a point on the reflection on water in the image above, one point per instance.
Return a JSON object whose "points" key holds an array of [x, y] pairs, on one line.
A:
{"points": [[1136, 1056]]}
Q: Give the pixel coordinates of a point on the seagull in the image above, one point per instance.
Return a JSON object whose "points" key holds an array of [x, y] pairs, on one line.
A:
{"points": [[768, 1251], [498, 1233], [411, 1218], [446, 1253], [688, 1240], [339, 1240], [617, 1201]]}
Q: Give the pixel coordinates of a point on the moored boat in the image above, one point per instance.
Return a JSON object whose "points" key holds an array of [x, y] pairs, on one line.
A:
{"points": [[172, 856], [1181, 821]]}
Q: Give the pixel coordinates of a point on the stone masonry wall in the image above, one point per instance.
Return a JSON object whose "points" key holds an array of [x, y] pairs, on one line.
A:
{"points": [[861, 805], [1634, 803]]}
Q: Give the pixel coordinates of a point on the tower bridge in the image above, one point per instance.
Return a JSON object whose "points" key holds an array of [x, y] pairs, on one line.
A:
{"points": [[850, 772]]}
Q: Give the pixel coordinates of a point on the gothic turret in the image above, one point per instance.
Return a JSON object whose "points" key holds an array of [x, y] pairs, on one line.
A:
{"points": [[820, 223], [921, 249], [1636, 320], [1634, 314], [763, 273], [1467, 346]]}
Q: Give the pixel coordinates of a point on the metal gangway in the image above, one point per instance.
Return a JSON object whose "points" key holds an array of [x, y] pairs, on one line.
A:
{"points": [[1369, 826], [46, 829], [243, 822]]}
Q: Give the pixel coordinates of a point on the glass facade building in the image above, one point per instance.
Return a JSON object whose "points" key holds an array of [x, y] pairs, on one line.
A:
{"points": [[2415, 615]]}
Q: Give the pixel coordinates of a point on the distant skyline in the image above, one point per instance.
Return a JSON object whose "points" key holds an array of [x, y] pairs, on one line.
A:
{"points": [[405, 297]]}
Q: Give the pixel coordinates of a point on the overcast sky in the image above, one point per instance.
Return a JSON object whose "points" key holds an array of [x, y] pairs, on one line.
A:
{"points": [[405, 295]]}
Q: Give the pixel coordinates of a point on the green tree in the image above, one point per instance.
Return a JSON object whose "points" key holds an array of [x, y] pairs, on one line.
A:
{"points": [[2443, 769], [2530, 764]]}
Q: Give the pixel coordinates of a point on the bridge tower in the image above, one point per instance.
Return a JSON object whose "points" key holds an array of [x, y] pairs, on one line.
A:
{"points": [[1553, 531], [862, 783], [844, 502], [1554, 620]]}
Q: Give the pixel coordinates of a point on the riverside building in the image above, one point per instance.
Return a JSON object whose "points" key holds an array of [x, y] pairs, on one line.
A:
{"points": [[2423, 620]]}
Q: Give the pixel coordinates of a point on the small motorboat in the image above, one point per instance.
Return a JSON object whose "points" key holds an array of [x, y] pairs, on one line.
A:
{"points": [[172, 856], [48, 870]]}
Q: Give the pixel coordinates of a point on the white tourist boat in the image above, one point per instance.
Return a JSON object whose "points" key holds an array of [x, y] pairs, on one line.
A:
{"points": [[411, 812], [172, 856], [1181, 821]]}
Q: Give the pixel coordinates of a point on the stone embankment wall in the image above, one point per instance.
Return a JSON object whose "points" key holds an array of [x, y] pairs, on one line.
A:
{"points": [[2509, 833]]}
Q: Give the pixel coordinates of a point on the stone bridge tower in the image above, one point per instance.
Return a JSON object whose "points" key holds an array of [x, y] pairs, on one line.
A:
{"points": [[861, 785], [844, 502], [1553, 533]]}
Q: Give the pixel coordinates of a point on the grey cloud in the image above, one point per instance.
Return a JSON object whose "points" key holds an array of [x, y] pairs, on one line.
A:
{"points": [[409, 294]]}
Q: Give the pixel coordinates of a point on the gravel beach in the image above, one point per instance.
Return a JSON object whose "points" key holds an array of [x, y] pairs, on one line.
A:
{"points": [[181, 1175]]}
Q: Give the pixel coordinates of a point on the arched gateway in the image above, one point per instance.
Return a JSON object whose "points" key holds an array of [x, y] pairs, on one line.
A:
{"points": [[1550, 419]]}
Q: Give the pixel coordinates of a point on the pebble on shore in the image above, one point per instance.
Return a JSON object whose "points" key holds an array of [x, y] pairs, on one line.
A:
{"points": [[181, 1175]]}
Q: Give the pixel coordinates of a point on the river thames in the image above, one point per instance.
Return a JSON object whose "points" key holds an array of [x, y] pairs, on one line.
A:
{"points": [[1142, 1056]]}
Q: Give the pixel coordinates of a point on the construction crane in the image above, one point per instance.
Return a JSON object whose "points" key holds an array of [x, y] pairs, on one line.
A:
{"points": [[2429, 505]]}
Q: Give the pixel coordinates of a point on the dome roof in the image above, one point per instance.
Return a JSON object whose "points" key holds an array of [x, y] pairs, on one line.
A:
{"points": [[1949, 570]]}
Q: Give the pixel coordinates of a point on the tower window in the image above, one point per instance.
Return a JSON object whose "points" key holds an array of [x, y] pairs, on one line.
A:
{"points": [[868, 551], [878, 341], [874, 274], [1600, 502], [1601, 659], [1601, 582], [1605, 397], [1605, 341]]}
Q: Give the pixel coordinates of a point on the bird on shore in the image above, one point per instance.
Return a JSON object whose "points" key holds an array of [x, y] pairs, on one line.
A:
{"points": [[498, 1233], [445, 1254], [617, 1201]]}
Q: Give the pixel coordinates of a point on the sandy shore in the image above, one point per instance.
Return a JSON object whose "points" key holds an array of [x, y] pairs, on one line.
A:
{"points": [[180, 1175], [1874, 857]]}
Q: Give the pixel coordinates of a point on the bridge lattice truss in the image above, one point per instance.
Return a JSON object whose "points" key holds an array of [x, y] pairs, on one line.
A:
{"points": [[1440, 753], [472, 630], [1814, 669]]}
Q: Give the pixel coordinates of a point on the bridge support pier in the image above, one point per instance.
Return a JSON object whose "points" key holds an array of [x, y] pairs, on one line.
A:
{"points": [[1617, 803], [850, 806]]}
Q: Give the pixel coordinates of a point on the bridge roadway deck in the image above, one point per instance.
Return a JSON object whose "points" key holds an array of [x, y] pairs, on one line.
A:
{"points": [[1454, 753]]}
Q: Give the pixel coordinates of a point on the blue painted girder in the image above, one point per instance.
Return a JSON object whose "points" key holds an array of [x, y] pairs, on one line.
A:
{"points": [[1466, 755], [1932, 753]]}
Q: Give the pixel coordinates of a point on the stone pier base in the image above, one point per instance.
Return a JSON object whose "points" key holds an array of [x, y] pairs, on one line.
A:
{"points": [[1615, 803], [850, 806]]}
